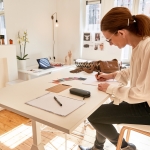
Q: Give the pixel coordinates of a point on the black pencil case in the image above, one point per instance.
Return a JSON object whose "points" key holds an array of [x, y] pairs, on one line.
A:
{"points": [[80, 92]]}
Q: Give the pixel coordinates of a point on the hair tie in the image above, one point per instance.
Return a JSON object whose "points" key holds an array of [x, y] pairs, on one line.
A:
{"points": [[134, 19], [128, 22]]}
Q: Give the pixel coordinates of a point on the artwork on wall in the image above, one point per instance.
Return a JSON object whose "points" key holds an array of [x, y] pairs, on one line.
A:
{"points": [[87, 41], [96, 46], [93, 41], [86, 37], [97, 36], [101, 46]]}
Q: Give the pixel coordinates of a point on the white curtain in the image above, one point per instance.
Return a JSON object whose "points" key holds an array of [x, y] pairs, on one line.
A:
{"points": [[2, 24], [93, 10], [2, 21], [124, 3], [1, 5]]}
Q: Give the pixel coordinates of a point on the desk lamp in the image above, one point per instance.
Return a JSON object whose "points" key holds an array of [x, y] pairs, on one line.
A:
{"points": [[56, 24]]}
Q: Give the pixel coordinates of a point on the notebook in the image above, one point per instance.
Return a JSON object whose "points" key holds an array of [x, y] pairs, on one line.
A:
{"points": [[47, 103], [44, 63], [58, 88]]}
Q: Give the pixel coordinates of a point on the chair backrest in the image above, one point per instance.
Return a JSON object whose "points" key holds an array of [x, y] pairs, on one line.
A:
{"points": [[3, 72], [9, 52]]}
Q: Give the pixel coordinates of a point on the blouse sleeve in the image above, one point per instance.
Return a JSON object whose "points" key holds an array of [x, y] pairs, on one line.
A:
{"points": [[123, 76], [140, 92]]}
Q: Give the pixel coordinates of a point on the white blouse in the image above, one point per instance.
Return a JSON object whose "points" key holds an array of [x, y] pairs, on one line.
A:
{"points": [[138, 74]]}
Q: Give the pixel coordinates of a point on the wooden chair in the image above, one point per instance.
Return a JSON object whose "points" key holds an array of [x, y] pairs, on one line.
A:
{"points": [[143, 129]]}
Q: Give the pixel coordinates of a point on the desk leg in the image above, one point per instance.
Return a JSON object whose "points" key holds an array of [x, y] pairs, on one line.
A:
{"points": [[65, 141], [37, 145]]}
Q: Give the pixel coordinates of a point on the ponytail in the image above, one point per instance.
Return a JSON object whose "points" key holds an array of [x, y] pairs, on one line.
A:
{"points": [[120, 18], [142, 25]]}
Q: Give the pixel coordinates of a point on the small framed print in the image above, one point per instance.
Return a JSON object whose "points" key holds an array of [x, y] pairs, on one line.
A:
{"points": [[96, 46], [86, 37], [97, 36], [101, 46]]}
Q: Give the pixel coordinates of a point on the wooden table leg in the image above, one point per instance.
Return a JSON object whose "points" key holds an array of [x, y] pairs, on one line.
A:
{"points": [[37, 145]]}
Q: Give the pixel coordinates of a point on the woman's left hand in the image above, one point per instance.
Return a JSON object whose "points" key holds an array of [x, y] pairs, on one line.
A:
{"points": [[103, 86]]}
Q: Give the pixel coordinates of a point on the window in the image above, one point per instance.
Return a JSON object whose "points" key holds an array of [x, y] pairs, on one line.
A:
{"points": [[144, 7], [2, 20], [124, 3], [93, 10]]}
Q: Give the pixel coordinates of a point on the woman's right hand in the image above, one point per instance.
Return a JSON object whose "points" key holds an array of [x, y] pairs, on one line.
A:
{"points": [[104, 76]]}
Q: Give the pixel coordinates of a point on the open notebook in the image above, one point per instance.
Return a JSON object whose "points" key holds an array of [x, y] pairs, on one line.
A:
{"points": [[48, 103]]}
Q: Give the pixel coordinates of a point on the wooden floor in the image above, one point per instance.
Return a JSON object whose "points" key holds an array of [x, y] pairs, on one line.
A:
{"points": [[16, 134]]}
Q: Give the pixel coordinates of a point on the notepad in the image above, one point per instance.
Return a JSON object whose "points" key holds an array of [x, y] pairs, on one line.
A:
{"points": [[93, 81], [46, 102], [58, 88]]}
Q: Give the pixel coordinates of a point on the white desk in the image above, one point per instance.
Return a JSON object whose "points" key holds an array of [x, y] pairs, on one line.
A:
{"points": [[14, 97], [34, 71]]}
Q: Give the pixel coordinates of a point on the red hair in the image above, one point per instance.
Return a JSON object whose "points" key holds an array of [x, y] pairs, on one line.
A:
{"points": [[120, 18]]}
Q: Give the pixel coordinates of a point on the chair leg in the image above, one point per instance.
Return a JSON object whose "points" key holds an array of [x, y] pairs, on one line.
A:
{"points": [[120, 138], [128, 135]]}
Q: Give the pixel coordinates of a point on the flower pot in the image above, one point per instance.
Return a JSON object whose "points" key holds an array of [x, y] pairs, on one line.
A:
{"points": [[22, 64]]}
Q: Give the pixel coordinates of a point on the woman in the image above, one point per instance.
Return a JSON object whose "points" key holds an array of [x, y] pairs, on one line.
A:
{"points": [[131, 104]]}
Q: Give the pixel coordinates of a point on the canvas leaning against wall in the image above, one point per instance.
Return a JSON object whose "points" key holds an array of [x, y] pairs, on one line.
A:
{"points": [[93, 41]]}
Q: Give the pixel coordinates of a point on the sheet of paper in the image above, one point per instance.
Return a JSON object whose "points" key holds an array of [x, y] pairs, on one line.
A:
{"points": [[47, 103], [93, 81]]}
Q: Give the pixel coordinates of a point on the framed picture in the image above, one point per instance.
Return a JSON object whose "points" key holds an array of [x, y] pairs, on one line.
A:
{"points": [[86, 37], [101, 46], [96, 46], [97, 36]]}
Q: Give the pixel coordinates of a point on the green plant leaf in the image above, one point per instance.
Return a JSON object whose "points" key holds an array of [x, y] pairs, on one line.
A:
{"points": [[19, 58], [25, 56]]}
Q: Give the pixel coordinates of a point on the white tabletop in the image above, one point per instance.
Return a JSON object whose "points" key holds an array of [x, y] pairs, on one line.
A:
{"points": [[33, 70], [14, 97]]}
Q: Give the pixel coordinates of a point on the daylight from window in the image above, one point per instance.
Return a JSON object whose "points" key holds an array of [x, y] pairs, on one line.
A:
{"points": [[144, 7], [2, 20], [93, 17]]}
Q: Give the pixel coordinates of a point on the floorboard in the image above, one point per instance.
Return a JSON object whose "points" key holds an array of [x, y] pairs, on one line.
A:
{"points": [[16, 134]]}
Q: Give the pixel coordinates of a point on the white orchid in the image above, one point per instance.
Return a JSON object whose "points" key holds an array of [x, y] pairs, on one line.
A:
{"points": [[22, 42]]}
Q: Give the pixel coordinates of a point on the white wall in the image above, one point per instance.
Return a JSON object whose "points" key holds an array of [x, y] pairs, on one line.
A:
{"points": [[69, 28], [35, 17], [70, 32]]}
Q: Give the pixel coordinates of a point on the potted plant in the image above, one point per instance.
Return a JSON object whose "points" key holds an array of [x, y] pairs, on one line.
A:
{"points": [[22, 44]]}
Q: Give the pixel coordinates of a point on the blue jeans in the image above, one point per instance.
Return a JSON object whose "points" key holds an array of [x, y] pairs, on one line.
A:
{"points": [[108, 114]]}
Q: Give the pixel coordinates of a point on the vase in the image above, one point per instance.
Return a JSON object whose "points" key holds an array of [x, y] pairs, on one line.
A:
{"points": [[22, 64]]}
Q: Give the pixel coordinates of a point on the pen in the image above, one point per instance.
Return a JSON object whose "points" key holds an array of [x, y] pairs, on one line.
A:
{"points": [[57, 101], [98, 73], [65, 84]]}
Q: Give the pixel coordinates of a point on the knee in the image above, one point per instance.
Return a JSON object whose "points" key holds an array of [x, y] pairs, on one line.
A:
{"points": [[90, 118], [93, 118]]}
